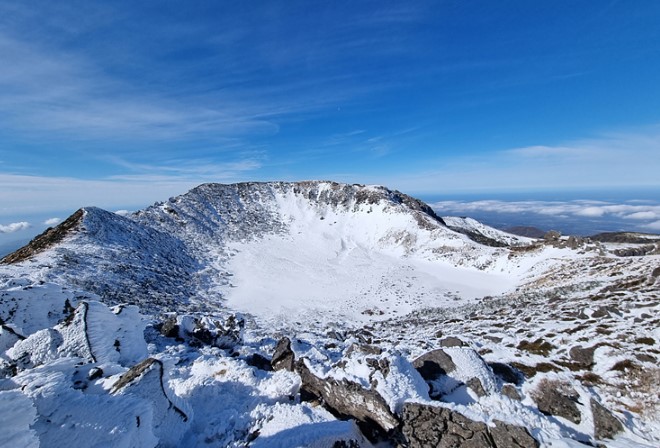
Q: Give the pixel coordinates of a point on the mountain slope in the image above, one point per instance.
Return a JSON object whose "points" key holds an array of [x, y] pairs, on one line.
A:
{"points": [[191, 251]]}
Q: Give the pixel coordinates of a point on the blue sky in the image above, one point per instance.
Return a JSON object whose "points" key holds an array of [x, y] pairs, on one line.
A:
{"points": [[119, 104]]}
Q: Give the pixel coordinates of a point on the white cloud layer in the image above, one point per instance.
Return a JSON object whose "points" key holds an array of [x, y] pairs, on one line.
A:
{"points": [[636, 211], [14, 227], [52, 221], [581, 208]]}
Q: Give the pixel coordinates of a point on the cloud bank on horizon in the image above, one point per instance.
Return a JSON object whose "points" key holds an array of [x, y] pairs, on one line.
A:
{"points": [[125, 103], [641, 215]]}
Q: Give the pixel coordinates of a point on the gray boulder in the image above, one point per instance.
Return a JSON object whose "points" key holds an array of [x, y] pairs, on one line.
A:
{"points": [[505, 435], [606, 425], [557, 398], [583, 357]]}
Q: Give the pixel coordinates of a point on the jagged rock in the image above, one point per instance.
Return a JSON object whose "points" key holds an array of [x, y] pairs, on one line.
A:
{"points": [[283, 357], [509, 390], [583, 357], [476, 386], [505, 435], [452, 342], [433, 426], [606, 425], [507, 373], [433, 364], [556, 398], [347, 399]]}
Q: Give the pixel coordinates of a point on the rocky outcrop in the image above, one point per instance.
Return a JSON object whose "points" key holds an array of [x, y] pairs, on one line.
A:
{"points": [[434, 426], [554, 397], [439, 368], [347, 399], [505, 435], [283, 357]]}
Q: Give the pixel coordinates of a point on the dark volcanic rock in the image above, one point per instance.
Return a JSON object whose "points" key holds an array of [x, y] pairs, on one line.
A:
{"points": [[258, 361], [606, 425], [433, 364], [584, 357], [170, 329], [509, 390], [511, 436], [476, 386], [507, 373], [557, 398], [433, 426], [347, 399], [283, 357], [452, 341]]}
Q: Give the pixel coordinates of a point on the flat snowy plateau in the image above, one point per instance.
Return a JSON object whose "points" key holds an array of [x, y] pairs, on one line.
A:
{"points": [[318, 314]]}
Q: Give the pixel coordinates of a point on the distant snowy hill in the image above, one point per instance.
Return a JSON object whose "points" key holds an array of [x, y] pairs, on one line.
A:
{"points": [[329, 315]]}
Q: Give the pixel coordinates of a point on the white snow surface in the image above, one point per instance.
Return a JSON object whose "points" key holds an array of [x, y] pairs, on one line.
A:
{"points": [[356, 276]]}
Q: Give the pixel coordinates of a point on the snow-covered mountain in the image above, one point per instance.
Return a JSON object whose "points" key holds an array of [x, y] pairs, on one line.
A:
{"points": [[266, 298]]}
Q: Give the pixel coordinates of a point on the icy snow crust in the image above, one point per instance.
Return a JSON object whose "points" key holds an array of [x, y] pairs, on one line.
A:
{"points": [[356, 276]]}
